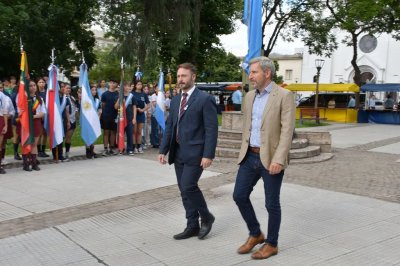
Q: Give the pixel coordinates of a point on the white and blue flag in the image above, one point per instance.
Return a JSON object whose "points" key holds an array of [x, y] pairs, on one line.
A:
{"points": [[252, 17], [160, 106], [89, 119]]}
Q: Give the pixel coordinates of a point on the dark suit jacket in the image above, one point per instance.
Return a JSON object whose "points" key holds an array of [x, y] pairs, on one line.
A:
{"points": [[198, 129]]}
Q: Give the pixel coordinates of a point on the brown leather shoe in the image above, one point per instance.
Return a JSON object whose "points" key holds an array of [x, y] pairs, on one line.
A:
{"points": [[251, 242], [265, 252]]}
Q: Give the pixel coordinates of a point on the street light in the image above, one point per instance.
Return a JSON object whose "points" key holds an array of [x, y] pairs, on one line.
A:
{"points": [[319, 63]]}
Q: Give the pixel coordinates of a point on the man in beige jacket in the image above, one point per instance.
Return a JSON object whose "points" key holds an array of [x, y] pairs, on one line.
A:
{"points": [[268, 125]]}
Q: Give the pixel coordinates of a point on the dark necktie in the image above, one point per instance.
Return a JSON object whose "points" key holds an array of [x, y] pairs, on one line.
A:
{"points": [[182, 109]]}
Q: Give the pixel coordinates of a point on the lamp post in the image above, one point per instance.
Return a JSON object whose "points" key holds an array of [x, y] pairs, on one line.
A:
{"points": [[319, 63]]}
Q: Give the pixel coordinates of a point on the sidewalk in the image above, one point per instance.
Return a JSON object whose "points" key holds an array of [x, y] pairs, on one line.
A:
{"points": [[123, 210]]}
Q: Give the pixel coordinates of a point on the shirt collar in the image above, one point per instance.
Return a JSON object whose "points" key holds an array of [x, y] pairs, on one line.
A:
{"points": [[190, 92], [266, 90]]}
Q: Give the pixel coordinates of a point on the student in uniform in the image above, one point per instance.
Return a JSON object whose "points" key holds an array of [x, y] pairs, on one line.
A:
{"points": [[41, 85], [97, 104], [142, 107], [6, 108], [108, 117], [15, 126], [58, 151], [71, 109], [130, 116], [38, 112]]}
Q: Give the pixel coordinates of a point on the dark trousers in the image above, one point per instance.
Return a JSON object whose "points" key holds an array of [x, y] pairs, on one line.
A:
{"points": [[250, 171], [237, 107], [195, 205], [154, 132], [129, 136]]}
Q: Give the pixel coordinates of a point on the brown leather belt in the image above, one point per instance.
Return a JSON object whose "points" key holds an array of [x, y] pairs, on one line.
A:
{"points": [[254, 149]]}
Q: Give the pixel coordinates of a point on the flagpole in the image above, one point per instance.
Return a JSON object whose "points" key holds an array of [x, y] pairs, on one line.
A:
{"points": [[120, 136]]}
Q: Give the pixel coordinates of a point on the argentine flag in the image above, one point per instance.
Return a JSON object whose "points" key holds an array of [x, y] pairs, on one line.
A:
{"points": [[160, 106], [252, 17], [90, 122], [53, 119]]}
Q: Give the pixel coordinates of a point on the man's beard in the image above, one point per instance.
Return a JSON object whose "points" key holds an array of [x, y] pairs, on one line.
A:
{"points": [[186, 86]]}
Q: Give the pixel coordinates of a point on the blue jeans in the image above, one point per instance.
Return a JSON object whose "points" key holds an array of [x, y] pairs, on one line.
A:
{"points": [[129, 136], [250, 171], [154, 132]]}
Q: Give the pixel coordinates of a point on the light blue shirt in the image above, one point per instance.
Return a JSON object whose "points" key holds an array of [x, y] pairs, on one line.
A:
{"points": [[260, 101], [237, 97], [352, 103]]}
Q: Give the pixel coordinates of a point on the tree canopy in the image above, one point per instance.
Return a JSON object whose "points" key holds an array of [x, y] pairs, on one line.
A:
{"points": [[43, 25], [168, 32]]}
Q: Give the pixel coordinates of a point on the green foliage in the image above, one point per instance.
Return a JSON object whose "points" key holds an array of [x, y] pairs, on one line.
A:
{"points": [[164, 32], [43, 25], [277, 79], [220, 66], [108, 66]]}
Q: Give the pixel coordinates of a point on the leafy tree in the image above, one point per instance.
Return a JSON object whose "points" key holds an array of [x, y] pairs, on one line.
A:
{"points": [[164, 32], [354, 17], [43, 25], [285, 19]]}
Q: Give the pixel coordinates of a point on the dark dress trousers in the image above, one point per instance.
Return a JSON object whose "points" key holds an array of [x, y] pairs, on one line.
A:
{"points": [[198, 132]]}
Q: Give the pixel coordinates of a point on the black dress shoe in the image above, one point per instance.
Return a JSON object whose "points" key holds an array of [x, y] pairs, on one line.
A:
{"points": [[35, 167], [188, 232], [206, 227], [17, 157]]}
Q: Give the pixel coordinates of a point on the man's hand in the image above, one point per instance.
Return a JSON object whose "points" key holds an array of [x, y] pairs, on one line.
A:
{"points": [[161, 159], [205, 162], [275, 168]]}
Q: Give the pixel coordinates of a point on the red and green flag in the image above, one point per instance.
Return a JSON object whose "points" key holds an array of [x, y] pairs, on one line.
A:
{"points": [[25, 107]]}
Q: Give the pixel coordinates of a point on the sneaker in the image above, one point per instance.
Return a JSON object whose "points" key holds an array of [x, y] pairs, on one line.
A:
{"points": [[63, 159], [67, 155], [4, 162], [130, 153], [112, 152], [140, 150], [44, 154], [105, 152], [135, 150]]}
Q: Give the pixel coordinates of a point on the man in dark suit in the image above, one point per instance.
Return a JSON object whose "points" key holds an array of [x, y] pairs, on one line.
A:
{"points": [[191, 138]]}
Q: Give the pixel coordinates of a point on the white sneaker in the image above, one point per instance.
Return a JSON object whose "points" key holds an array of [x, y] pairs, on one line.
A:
{"points": [[135, 150], [4, 162], [131, 153], [140, 150]]}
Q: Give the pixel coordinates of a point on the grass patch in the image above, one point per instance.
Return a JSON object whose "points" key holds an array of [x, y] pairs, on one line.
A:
{"points": [[310, 123]]}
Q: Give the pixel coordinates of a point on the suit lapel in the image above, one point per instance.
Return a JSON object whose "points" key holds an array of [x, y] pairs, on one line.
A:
{"points": [[270, 102]]}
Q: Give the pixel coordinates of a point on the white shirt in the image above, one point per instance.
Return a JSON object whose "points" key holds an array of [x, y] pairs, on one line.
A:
{"points": [[187, 99], [4, 104]]}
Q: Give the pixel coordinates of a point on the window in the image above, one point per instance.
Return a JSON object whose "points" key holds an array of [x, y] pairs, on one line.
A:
{"points": [[288, 74]]}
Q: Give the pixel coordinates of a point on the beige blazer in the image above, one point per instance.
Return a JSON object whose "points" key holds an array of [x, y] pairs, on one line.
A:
{"points": [[278, 123]]}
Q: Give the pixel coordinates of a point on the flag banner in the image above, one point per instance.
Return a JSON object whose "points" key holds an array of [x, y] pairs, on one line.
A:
{"points": [[25, 107], [252, 17], [121, 119], [138, 75], [89, 119], [53, 120], [160, 106]]}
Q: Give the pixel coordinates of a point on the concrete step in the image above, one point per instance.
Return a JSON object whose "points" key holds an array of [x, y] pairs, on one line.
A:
{"points": [[315, 159], [227, 153], [309, 151], [229, 143], [229, 134], [299, 143]]}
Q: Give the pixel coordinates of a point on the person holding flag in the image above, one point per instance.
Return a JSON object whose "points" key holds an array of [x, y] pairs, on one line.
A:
{"points": [[53, 120], [159, 113], [89, 119], [128, 119]]}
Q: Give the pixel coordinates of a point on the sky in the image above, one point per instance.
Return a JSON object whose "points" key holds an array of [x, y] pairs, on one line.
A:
{"points": [[236, 42]]}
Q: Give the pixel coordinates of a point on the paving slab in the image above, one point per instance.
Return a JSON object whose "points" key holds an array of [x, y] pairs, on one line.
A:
{"points": [[315, 231]]}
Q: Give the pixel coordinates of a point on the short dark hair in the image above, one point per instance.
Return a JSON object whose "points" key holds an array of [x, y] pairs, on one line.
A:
{"points": [[188, 66]]}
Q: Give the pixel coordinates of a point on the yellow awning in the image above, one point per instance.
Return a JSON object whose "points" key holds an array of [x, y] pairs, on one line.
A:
{"points": [[350, 87]]}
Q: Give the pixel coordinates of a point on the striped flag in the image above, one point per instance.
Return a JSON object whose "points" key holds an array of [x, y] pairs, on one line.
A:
{"points": [[252, 17], [53, 118], [89, 120], [160, 106], [25, 107], [121, 119]]}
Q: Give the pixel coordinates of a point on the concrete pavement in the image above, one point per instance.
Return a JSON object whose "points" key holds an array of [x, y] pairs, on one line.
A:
{"points": [[123, 211]]}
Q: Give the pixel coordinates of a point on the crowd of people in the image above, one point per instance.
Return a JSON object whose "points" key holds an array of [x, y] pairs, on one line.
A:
{"points": [[142, 130]]}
